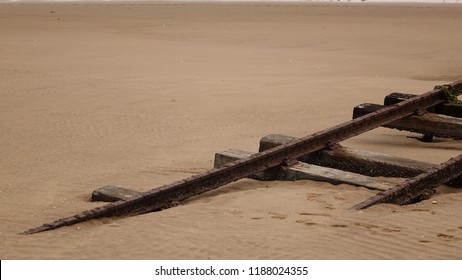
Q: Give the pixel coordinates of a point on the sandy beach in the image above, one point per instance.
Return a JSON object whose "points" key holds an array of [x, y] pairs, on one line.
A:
{"points": [[144, 94]]}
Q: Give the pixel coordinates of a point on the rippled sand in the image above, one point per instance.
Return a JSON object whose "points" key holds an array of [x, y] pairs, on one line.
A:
{"points": [[144, 94]]}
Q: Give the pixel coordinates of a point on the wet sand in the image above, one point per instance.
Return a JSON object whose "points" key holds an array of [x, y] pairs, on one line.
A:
{"points": [[141, 95]]}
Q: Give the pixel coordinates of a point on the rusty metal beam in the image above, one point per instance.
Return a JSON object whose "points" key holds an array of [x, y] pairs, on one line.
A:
{"points": [[421, 186], [168, 195], [426, 123]]}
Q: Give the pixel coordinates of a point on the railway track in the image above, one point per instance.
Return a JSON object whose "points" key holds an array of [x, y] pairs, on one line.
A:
{"points": [[284, 155]]}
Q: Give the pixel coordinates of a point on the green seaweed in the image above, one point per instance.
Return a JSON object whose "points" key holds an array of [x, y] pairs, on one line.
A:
{"points": [[450, 93]]}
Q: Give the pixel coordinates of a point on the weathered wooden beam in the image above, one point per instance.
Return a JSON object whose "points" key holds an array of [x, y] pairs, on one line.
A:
{"points": [[354, 160], [232, 155], [397, 97], [111, 193], [304, 171], [419, 187], [449, 109], [427, 123]]}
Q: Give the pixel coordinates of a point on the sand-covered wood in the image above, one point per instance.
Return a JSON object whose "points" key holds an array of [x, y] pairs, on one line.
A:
{"points": [[355, 160], [304, 171], [112, 193]]}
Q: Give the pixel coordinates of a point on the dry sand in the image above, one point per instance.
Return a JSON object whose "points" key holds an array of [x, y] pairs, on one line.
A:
{"points": [[144, 94]]}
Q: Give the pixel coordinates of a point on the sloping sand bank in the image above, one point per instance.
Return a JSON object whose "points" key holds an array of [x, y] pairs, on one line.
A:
{"points": [[144, 94]]}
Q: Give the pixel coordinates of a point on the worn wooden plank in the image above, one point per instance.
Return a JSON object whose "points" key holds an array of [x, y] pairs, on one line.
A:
{"points": [[448, 109], [231, 155], [304, 171], [427, 123], [354, 160], [359, 161], [111, 193], [419, 187]]}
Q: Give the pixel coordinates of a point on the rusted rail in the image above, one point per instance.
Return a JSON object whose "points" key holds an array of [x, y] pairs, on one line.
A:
{"points": [[426, 123], [418, 187], [168, 195]]}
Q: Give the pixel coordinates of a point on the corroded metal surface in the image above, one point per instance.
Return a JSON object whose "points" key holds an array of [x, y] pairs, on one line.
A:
{"points": [[168, 195], [418, 187], [424, 123]]}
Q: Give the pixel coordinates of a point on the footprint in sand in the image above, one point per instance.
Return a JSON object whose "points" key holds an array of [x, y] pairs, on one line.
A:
{"points": [[339, 226], [277, 216], [445, 236], [448, 237], [236, 213], [307, 223], [367, 226], [372, 227], [419, 210], [313, 214], [312, 196], [391, 229]]}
